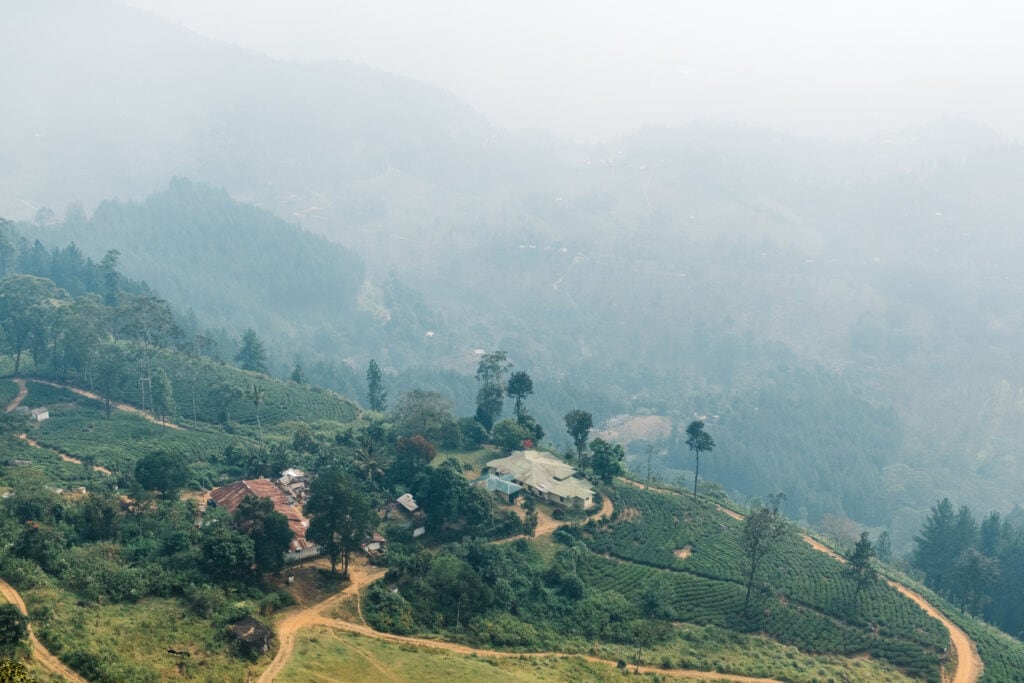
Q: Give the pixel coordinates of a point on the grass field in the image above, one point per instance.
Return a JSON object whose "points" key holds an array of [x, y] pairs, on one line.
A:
{"points": [[476, 460], [714, 649], [322, 654], [129, 641]]}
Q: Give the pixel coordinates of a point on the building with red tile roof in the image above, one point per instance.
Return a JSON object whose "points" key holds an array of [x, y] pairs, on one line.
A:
{"points": [[229, 497]]}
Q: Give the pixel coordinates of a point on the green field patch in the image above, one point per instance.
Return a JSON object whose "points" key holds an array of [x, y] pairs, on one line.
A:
{"points": [[197, 385], [325, 655], [19, 457], [8, 392], [56, 399], [117, 443], [473, 461], [129, 641]]}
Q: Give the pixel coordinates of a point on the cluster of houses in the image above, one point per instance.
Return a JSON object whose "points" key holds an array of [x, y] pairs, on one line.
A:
{"points": [[284, 500], [288, 494], [537, 473]]}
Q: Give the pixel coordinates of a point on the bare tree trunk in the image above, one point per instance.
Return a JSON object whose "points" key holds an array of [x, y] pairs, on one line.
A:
{"points": [[696, 470]]}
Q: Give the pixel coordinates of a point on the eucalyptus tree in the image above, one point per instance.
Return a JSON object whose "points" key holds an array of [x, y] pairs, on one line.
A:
{"points": [[490, 373], [163, 395], [579, 423], [519, 387], [762, 529], [698, 441], [340, 515], [25, 304]]}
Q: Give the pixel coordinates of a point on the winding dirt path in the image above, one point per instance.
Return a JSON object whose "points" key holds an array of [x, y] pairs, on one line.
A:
{"points": [[359, 575], [39, 651], [22, 393], [457, 648], [647, 487], [546, 524], [63, 456], [124, 407], [969, 666]]}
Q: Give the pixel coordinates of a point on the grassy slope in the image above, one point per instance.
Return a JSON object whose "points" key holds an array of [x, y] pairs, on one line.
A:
{"points": [[130, 640], [322, 654]]}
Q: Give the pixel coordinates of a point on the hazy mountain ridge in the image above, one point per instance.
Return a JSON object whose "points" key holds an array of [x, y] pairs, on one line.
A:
{"points": [[666, 272], [157, 101]]}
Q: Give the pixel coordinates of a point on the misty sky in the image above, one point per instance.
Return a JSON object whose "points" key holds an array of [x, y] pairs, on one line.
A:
{"points": [[597, 68]]}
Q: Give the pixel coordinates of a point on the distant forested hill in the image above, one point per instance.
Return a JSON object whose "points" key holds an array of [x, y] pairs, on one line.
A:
{"points": [[151, 100], [851, 310], [247, 266]]}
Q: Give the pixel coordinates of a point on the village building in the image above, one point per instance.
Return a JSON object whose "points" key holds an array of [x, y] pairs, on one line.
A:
{"points": [[405, 507], [39, 414], [502, 486], [543, 475], [229, 497], [294, 483], [374, 545], [408, 503]]}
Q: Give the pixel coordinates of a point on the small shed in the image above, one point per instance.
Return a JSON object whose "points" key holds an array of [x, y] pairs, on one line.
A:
{"points": [[503, 486], [408, 503], [253, 636], [374, 545], [39, 414]]}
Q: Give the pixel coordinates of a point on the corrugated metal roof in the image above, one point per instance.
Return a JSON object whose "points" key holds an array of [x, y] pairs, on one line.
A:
{"points": [[542, 472], [229, 497]]}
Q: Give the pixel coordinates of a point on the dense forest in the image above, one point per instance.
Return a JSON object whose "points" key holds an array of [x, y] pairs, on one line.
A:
{"points": [[978, 567]]}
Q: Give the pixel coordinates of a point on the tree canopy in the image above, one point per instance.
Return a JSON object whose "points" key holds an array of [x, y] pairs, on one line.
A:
{"points": [[165, 472], [252, 355], [698, 441], [340, 515], [579, 423]]}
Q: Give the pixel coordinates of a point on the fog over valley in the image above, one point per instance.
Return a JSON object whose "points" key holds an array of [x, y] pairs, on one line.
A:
{"points": [[358, 238]]}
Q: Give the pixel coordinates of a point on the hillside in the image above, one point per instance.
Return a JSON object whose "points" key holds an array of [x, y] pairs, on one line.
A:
{"points": [[665, 560], [98, 542]]}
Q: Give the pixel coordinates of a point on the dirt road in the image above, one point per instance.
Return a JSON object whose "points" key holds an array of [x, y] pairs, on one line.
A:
{"points": [[63, 456], [124, 407], [39, 652], [359, 575], [22, 393], [969, 666], [467, 650], [547, 524]]}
